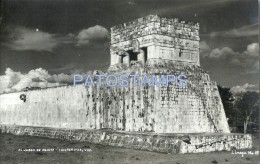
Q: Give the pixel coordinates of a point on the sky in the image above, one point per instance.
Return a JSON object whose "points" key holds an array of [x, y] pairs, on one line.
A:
{"points": [[43, 42]]}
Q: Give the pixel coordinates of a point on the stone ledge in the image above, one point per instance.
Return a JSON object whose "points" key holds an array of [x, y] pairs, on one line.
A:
{"points": [[165, 143]]}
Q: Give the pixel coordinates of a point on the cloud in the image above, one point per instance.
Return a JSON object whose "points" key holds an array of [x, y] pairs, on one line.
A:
{"points": [[252, 50], [244, 88], [248, 59], [204, 47], [248, 30], [60, 78], [222, 53], [22, 38], [31, 39], [16, 81], [92, 34], [65, 68], [131, 3], [194, 5]]}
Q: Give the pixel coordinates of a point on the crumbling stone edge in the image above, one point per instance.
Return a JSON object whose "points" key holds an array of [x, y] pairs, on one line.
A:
{"points": [[165, 143]]}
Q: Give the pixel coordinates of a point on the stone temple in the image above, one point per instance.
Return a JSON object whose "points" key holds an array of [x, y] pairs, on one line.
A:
{"points": [[163, 46], [165, 119]]}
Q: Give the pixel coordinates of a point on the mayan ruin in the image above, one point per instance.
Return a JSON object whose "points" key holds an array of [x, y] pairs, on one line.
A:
{"points": [[164, 119]]}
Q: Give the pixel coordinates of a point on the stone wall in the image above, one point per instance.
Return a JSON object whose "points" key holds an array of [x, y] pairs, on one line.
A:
{"points": [[194, 109], [164, 143]]}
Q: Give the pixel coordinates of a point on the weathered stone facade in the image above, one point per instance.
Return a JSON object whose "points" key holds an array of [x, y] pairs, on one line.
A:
{"points": [[154, 38], [154, 45]]}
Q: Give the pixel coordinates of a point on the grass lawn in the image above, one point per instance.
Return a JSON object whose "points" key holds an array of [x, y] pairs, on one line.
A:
{"points": [[9, 145]]}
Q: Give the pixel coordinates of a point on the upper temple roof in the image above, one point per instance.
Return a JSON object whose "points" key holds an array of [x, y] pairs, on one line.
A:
{"points": [[154, 18]]}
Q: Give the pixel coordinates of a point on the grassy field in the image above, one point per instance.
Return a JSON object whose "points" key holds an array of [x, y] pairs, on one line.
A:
{"points": [[10, 144]]}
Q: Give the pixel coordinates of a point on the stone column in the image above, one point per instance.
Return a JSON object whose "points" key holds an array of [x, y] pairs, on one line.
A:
{"points": [[113, 59], [126, 59], [198, 58], [141, 56], [118, 59]]}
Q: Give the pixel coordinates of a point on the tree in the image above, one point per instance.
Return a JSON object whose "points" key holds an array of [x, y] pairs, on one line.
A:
{"points": [[228, 104], [247, 108]]}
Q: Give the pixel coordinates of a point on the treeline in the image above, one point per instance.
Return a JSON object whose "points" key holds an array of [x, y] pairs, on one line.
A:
{"points": [[242, 110]]}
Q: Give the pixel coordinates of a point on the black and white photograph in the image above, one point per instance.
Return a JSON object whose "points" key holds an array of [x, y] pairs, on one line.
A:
{"points": [[129, 81]]}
